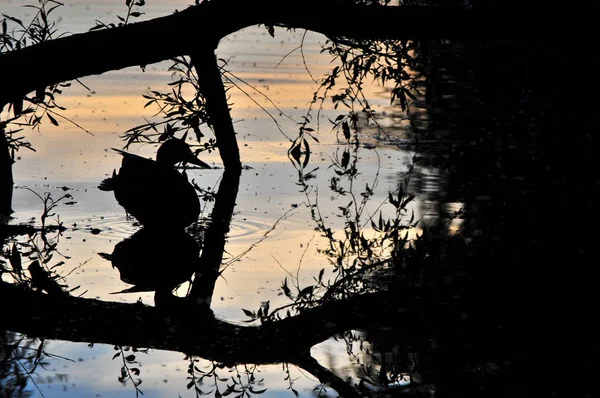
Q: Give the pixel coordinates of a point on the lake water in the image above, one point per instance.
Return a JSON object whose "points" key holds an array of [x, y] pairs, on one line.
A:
{"points": [[271, 230]]}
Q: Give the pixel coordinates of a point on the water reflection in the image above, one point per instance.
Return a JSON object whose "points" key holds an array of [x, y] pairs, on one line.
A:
{"points": [[153, 260], [159, 260], [464, 317]]}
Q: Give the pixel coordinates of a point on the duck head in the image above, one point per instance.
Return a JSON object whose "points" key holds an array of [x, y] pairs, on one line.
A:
{"points": [[175, 150]]}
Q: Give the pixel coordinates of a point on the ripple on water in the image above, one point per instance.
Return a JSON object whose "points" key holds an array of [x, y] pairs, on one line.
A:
{"points": [[112, 227], [251, 228]]}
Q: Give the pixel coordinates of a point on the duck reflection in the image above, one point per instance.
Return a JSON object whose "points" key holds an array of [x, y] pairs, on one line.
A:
{"points": [[154, 192], [154, 261]]}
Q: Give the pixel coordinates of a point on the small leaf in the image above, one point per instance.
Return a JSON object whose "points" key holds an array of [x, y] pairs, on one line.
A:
{"points": [[249, 313], [345, 159], [40, 350], [295, 152], [306, 291], [306, 153], [346, 130], [52, 119]]}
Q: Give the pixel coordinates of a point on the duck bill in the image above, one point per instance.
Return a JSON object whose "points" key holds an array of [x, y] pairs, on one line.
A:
{"points": [[194, 160]]}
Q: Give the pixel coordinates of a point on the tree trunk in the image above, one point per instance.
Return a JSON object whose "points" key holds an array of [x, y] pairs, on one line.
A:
{"points": [[6, 177], [215, 238], [211, 86]]}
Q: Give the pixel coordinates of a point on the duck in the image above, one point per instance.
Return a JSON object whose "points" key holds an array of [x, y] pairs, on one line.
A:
{"points": [[153, 191]]}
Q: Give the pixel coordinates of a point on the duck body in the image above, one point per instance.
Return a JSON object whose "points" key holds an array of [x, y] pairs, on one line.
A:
{"points": [[154, 192]]}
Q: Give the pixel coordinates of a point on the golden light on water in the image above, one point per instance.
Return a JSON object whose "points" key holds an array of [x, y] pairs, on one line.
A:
{"points": [[272, 234]]}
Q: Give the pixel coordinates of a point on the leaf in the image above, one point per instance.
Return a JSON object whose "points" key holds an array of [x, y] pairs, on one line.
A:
{"points": [[410, 95], [15, 20], [118, 354], [136, 14], [40, 351], [295, 152], [230, 389], [249, 313], [306, 153], [286, 289], [345, 159], [52, 119], [346, 130], [307, 291], [130, 358]]}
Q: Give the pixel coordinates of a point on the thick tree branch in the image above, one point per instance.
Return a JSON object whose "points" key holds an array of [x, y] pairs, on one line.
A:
{"points": [[176, 328], [163, 38]]}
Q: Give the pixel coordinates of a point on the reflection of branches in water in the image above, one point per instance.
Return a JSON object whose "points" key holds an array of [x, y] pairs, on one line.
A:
{"points": [[253, 245], [372, 255], [296, 278], [225, 74], [360, 264], [49, 204], [129, 368], [40, 249], [19, 356], [211, 380], [19, 359]]}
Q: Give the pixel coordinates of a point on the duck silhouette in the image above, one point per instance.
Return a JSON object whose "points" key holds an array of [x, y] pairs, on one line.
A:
{"points": [[154, 192]]}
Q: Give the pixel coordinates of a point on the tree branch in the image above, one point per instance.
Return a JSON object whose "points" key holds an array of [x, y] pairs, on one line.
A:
{"points": [[176, 328], [163, 38]]}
